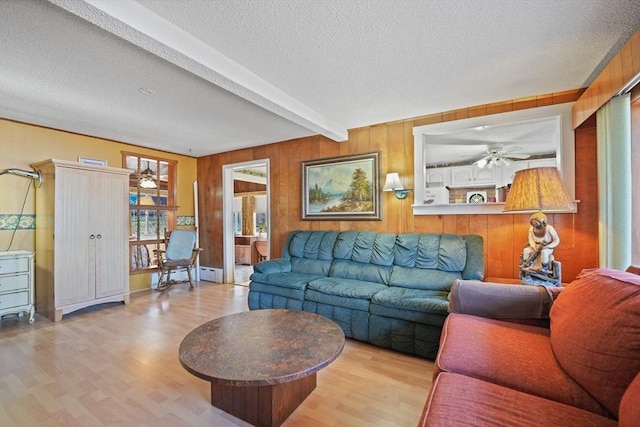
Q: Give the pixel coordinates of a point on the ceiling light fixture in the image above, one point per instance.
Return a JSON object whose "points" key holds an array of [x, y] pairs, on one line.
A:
{"points": [[147, 178], [147, 91]]}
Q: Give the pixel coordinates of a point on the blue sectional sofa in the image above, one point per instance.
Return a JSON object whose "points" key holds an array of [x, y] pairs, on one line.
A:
{"points": [[387, 289]]}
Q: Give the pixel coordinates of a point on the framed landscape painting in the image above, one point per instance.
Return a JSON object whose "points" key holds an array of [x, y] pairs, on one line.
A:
{"points": [[341, 188]]}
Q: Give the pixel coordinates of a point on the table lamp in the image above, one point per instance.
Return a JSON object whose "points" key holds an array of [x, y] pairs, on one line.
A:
{"points": [[537, 190]]}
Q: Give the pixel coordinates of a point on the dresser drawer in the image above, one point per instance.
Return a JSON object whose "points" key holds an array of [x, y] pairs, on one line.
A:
{"points": [[14, 283], [14, 265], [14, 299]]}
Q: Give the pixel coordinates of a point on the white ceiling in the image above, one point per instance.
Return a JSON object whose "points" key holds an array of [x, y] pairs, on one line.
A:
{"points": [[229, 74]]}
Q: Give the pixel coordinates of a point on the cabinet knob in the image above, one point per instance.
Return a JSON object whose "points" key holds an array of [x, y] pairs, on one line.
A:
{"points": [[92, 237], [99, 236]]}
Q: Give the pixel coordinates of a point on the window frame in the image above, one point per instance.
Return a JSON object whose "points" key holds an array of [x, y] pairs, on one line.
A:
{"points": [[169, 210]]}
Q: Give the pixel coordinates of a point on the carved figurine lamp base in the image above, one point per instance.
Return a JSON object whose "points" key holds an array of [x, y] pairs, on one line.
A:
{"points": [[537, 190]]}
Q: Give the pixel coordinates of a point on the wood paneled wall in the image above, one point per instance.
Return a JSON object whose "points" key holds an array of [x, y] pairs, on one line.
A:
{"points": [[504, 234], [618, 72]]}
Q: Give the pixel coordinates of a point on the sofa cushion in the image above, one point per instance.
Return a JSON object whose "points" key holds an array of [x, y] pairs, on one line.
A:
{"points": [[511, 355], [420, 278], [291, 280], [414, 305], [366, 247], [629, 408], [412, 299], [446, 252], [595, 333], [312, 244], [346, 269], [354, 294], [310, 266], [460, 401]]}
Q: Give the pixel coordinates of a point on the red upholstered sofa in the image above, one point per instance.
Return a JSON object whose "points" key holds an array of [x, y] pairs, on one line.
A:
{"points": [[582, 370]]}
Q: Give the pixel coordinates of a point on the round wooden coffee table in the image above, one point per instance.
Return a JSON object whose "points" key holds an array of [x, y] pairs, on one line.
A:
{"points": [[261, 364]]}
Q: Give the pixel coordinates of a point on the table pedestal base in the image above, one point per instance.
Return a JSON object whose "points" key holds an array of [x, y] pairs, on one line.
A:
{"points": [[263, 406]]}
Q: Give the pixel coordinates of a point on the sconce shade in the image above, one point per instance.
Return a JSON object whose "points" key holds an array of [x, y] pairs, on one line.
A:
{"points": [[393, 182], [538, 189]]}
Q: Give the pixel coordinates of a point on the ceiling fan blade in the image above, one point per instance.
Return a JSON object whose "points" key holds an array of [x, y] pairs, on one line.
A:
{"points": [[518, 156], [509, 149]]}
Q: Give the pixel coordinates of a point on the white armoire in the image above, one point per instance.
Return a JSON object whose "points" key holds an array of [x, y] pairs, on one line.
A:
{"points": [[82, 237]]}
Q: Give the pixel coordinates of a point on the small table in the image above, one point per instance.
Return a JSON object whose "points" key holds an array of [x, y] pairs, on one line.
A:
{"points": [[261, 364]]}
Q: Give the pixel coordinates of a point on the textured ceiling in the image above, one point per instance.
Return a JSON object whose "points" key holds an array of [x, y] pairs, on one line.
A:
{"points": [[229, 74]]}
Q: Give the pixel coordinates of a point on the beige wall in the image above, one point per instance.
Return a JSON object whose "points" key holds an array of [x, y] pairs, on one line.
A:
{"points": [[23, 144]]}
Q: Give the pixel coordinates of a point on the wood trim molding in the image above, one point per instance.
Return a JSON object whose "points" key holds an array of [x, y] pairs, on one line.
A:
{"points": [[618, 72]]}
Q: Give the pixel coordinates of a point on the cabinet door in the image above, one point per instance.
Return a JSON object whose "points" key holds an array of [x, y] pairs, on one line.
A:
{"points": [[461, 176], [484, 176], [471, 176], [110, 225], [508, 172], [438, 175], [74, 274]]}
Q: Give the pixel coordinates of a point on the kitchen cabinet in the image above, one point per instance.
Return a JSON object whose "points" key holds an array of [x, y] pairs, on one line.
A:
{"points": [[435, 176], [472, 176], [507, 173], [16, 283], [243, 254], [81, 237]]}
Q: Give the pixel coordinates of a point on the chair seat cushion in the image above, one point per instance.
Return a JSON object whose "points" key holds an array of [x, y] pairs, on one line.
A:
{"points": [[177, 263], [460, 401], [504, 353]]}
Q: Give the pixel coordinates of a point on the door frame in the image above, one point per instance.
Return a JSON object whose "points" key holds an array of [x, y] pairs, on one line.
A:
{"points": [[228, 237]]}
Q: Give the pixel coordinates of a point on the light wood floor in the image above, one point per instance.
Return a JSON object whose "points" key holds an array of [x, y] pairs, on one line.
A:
{"points": [[117, 365]]}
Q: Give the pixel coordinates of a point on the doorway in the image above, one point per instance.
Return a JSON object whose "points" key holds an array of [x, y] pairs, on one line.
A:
{"points": [[246, 218]]}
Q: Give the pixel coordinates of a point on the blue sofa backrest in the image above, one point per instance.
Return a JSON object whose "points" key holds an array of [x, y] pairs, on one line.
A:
{"points": [[413, 260]]}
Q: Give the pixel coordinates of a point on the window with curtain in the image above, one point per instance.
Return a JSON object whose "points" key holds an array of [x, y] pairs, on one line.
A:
{"points": [[152, 206]]}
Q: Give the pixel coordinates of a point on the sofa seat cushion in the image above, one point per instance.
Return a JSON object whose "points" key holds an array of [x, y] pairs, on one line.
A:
{"points": [[423, 278], [284, 291], [595, 332], [416, 305], [459, 401], [296, 281], [354, 294], [511, 355]]}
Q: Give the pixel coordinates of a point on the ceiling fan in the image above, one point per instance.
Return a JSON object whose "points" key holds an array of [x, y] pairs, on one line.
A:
{"points": [[495, 156]]}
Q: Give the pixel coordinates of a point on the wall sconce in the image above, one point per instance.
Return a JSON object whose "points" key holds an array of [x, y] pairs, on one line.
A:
{"points": [[393, 184], [36, 176]]}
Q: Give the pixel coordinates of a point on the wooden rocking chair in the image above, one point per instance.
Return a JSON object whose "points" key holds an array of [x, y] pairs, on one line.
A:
{"points": [[180, 253]]}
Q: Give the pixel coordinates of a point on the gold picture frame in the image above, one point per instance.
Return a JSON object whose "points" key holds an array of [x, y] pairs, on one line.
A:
{"points": [[345, 188]]}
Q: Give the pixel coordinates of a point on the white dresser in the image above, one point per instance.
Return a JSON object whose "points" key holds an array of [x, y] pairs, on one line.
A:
{"points": [[16, 283]]}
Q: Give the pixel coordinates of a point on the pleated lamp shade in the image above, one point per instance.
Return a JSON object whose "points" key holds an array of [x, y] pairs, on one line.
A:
{"points": [[538, 189]]}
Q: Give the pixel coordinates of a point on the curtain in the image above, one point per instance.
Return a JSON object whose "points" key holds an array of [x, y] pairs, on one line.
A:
{"points": [[614, 182]]}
